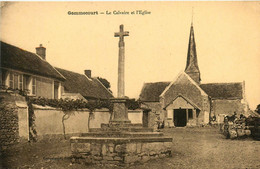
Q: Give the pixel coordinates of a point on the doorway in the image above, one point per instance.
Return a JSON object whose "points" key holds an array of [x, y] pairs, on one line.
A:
{"points": [[145, 118], [180, 117]]}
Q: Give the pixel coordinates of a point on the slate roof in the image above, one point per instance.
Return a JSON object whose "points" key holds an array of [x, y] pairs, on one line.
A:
{"points": [[223, 90], [152, 91], [88, 88], [192, 61], [18, 59]]}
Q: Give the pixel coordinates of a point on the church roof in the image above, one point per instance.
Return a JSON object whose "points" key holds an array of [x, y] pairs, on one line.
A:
{"points": [[192, 62], [192, 67], [180, 75], [151, 91], [90, 88], [15, 58], [224, 90]]}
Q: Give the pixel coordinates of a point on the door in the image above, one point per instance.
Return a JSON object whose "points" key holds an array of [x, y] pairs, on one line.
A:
{"points": [[180, 117], [145, 118]]}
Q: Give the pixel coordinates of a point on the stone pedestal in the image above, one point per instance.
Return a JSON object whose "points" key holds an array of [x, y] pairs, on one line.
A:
{"points": [[120, 114]]}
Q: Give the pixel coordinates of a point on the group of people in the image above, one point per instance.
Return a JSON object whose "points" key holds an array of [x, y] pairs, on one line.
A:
{"points": [[234, 118]]}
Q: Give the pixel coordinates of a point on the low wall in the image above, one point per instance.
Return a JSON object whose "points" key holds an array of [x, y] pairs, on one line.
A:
{"points": [[49, 120], [135, 116], [14, 120], [23, 120], [119, 151], [9, 128], [100, 117]]}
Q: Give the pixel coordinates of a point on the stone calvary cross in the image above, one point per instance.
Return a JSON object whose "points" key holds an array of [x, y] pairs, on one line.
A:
{"points": [[120, 113], [120, 142], [121, 62]]}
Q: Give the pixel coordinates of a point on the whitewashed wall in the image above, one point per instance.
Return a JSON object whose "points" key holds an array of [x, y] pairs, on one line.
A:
{"points": [[49, 121]]}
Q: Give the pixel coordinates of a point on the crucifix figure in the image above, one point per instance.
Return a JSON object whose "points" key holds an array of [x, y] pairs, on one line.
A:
{"points": [[121, 62]]}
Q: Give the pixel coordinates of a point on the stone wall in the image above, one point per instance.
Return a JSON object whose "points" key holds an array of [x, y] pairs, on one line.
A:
{"points": [[135, 116], [44, 88], [118, 152], [23, 120], [155, 113], [9, 128], [49, 120], [184, 86], [227, 107]]}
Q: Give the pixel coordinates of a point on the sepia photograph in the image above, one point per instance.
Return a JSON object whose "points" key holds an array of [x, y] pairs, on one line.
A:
{"points": [[135, 84]]}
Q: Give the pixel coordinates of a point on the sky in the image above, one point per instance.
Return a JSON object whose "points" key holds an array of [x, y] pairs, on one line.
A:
{"points": [[227, 38]]}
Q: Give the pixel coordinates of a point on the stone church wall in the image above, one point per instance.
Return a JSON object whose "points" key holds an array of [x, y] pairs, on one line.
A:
{"points": [[227, 107], [183, 86]]}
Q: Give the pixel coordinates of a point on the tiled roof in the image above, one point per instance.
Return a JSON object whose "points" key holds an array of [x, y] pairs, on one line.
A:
{"points": [[223, 90], [88, 88], [18, 59], [152, 91]]}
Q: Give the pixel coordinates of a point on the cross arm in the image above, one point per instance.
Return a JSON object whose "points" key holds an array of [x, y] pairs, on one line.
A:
{"points": [[118, 34]]}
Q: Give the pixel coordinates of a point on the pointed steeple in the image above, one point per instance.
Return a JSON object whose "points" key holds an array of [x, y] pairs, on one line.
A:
{"points": [[192, 68]]}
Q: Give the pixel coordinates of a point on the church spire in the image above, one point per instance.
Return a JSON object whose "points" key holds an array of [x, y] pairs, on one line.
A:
{"points": [[192, 68]]}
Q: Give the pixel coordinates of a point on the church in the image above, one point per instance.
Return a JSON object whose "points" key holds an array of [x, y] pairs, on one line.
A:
{"points": [[186, 101]]}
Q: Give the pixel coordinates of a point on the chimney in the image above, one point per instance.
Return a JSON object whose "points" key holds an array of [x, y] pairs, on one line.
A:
{"points": [[88, 73], [41, 51]]}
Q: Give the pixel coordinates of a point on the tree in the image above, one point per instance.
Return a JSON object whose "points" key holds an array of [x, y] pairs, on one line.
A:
{"points": [[258, 109], [105, 83]]}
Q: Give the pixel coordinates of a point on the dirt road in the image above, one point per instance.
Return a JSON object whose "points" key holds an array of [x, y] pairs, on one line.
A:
{"points": [[192, 148]]}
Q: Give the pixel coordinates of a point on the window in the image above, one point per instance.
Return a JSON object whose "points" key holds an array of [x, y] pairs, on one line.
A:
{"points": [[190, 114], [56, 90], [15, 81], [20, 82], [34, 86], [11, 80]]}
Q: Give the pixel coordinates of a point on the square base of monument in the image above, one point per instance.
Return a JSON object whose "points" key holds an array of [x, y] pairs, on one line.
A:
{"points": [[120, 115], [119, 151], [119, 122]]}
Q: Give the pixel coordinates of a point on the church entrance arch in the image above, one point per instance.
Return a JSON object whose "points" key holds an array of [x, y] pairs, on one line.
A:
{"points": [[180, 117]]}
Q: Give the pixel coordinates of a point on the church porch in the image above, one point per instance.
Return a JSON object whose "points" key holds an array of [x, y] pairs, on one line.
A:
{"points": [[181, 113]]}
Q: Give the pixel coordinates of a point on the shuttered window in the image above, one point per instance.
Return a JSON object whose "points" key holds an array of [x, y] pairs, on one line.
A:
{"points": [[16, 81], [34, 86]]}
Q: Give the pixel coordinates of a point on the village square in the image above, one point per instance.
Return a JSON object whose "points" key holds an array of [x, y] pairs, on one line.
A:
{"points": [[52, 116]]}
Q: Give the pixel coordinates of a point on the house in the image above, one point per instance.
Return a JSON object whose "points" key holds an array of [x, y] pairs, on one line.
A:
{"points": [[187, 102], [83, 86], [25, 70]]}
